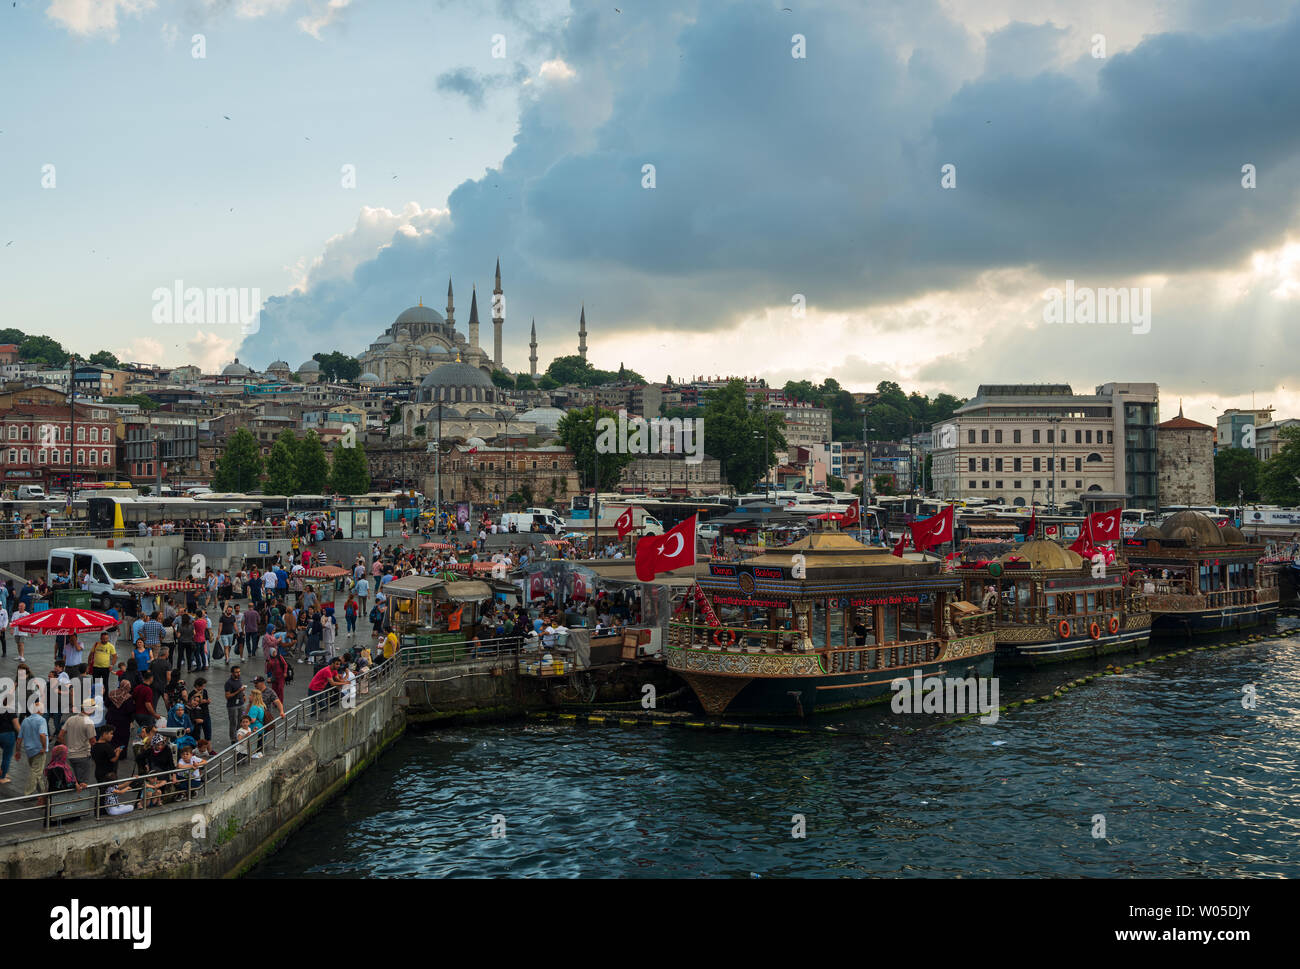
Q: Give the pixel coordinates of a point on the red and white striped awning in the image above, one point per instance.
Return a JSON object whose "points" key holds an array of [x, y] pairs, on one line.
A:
{"points": [[53, 622], [325, 572]]}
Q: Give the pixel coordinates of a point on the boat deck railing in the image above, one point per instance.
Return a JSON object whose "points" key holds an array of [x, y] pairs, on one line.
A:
{"points": [[835, 659], [1175, 596]]}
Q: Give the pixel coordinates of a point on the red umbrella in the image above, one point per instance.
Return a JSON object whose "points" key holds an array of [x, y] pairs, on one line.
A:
{"points": [[442, 545], [326, 572], [55, 622]]}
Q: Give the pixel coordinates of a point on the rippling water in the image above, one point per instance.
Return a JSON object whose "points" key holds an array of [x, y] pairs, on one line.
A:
{"points": [[1190, 783]]}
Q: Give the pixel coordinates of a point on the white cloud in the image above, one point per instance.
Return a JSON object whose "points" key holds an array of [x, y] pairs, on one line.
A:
{"points": [[322, 17], [556, 70], [142, 349], [209, 351], [87, 17], [374, 230]]}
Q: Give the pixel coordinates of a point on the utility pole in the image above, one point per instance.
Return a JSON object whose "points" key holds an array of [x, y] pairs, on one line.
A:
{"points": [[72, 427], [437, 473], [158, 461], [595, 479], [1051, 484]]}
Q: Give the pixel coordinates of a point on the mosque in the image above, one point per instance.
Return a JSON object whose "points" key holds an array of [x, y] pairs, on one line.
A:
{"points": [[421, 339]]}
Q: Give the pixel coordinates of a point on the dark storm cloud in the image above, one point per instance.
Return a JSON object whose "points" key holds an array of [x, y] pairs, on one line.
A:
{"points": [[475, 86], [821, 175]]}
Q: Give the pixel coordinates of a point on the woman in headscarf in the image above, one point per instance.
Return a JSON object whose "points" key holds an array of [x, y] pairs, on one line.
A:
{"points": [[58, 773]]}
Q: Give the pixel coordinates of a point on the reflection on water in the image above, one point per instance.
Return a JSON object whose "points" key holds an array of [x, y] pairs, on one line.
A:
{"points": [[1188, 781]]}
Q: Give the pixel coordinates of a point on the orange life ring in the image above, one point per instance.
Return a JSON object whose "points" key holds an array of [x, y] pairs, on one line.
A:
{"points": [[1114, 624], [1063, 629], [724, 634], [1094, 631]]}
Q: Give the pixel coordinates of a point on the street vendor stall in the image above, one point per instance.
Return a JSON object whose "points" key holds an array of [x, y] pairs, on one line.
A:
{"points": [[147, 595], [333, 574]]}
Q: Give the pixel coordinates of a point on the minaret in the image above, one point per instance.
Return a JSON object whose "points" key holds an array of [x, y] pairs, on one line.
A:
{"points": [[532, 357], [473, 318], [451, 309], [498, 317], [582, 333]]}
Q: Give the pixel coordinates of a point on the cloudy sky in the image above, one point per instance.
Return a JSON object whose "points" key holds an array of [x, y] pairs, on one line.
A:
{"points": [[798, 224]]}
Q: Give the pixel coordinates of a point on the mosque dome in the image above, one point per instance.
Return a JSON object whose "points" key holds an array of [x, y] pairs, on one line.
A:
{"points": [[235, 369], [419, 314], [368, 378], [309, 366], [1042, 554], [1203, 531]]}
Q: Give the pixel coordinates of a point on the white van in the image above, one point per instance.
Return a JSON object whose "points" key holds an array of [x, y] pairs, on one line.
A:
{"points": [[523, 521], [31, 493], [108, 568]]}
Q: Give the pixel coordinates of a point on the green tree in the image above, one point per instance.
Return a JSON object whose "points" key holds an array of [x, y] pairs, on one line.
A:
{"points": [[338, 366], [833, 483], [927, 481], [1235, 468], [282, 465], [577, 431], [240, 467], [104, 358], [349, 474], [1279, 479], [503, 380], [143, 401], [571, 370], [734, 433], [11, 335], [43, 349], [525, 382], [312, 466], [547, 382], [883, 484]]}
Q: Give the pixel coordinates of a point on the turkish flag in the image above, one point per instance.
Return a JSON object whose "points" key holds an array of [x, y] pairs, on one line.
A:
{"points": [[624, 523], [673, 549], [537, 586], [579, 587], [851, 515], [1103, 526], [932, 531], [900, 545], [1032, 530], [1082, 545]]}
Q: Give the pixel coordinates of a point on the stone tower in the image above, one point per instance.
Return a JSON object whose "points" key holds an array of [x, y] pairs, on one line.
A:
{"points": [[451, 309], [498, 317], [1185, 461], [582, 333], [532, 356]]}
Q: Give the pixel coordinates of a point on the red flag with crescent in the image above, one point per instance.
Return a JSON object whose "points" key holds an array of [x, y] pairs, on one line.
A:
{"points": [[537, 586], [851, 514], [674, 549], [1103, 526], [932, 531], [624, 523], [579, 587]]}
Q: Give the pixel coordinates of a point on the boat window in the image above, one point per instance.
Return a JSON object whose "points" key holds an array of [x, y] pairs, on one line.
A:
{"points": [[1023, 593], [891, 623], [1092, 602], [1078, 603]]}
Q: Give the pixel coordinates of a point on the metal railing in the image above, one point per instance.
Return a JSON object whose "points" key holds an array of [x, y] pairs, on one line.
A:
{"points": [[76, 529], [231, 762], [461, 650]]}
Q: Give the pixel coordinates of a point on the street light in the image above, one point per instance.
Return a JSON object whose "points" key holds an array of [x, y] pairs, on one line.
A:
{"points": [[1051, 484]]}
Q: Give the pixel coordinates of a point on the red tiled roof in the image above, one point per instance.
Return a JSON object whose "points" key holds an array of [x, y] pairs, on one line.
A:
{"points": [[1181, 423]]}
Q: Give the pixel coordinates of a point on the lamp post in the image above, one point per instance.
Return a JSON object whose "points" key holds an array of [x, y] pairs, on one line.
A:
{"points": [[158, 449], [1051, 484]]}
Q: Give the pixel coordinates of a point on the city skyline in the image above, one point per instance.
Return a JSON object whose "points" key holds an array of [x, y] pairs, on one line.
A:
{"points": [[758, 210]]}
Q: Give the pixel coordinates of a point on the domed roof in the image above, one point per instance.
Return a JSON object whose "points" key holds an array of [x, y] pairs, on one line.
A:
{"points": [[548, 417], [1148, 531], [457, 375], [309, 366], [384, 340], [1042, 554], [368, 378], [419, 314], [235, 369], [1232, 535], [277, 365], [1204, 532], [437, 351], [1186, 534]]}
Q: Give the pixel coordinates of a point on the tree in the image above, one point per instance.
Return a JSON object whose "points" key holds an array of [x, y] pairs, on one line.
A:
{"points": [[547, 382], [884, 484], [503, 380], [524, 382], [833, 483], [577, 431], [282, 466], [927, 480], [43, 349], [1279, 479], [349, 474], [734, 433], [240, 468], [312, 465], [143, 401], [104, 358], [338, 366], [1236, 468], [11, 335]]}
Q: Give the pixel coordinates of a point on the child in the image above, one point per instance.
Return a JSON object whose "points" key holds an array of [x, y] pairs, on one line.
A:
{"points": [[241, 739], [153, 788]]}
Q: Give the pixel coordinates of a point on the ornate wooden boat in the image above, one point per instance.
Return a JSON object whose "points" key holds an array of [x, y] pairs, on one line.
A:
{"points": [[1198, 577], [777, 634], [1050, 607]]}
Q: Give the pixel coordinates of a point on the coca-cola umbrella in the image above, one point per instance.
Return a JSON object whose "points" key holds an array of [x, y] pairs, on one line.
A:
{"points": [[60, 622]]}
